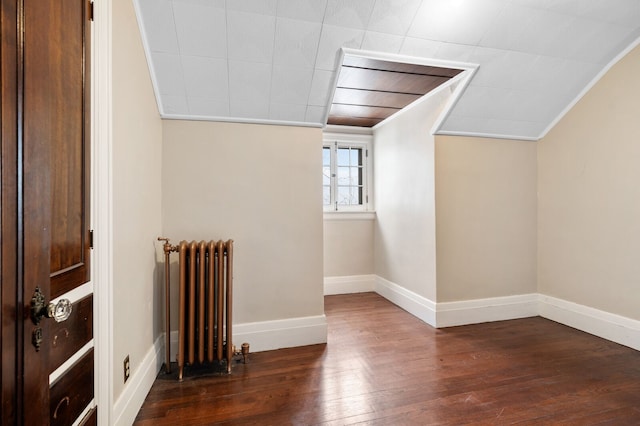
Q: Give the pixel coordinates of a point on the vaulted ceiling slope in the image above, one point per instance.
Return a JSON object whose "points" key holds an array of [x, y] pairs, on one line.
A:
{"points": [[276, 60]]}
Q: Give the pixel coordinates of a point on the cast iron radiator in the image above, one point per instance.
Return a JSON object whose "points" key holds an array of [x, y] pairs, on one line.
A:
{"points": [[205, 304]]}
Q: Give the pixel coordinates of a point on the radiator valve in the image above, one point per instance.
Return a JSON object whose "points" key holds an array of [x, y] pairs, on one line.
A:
{"points": [[244, 351]]}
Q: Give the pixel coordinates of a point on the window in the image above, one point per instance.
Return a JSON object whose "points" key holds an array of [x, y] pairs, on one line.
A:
{"points": [[344, 176]]}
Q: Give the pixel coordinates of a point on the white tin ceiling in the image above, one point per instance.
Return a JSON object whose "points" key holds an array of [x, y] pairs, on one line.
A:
{"points": [[275, 60]]}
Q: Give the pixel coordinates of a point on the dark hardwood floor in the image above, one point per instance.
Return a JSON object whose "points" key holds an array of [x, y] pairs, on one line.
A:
{"points": [[383, 366]]}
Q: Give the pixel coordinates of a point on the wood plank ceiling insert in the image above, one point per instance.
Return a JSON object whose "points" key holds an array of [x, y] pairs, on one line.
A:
{"points": [[371, 90]]}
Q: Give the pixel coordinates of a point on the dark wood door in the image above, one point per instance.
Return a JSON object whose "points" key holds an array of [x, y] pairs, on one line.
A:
{"points": [[45, 209]]}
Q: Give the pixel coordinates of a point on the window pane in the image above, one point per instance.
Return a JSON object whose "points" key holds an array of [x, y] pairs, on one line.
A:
{"points": [[349, 195], [356, 157], [355, 175], [326, 156], [344, 177], [344, 195], [326, 175], [349, 176], [343, 156]]}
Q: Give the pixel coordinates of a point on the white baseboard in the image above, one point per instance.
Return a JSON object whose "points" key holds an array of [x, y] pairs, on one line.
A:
{"points": [[449, 314], [416, 305], [349, 284], [270, 335], [286, 333], [128, 405], [616, 328]]}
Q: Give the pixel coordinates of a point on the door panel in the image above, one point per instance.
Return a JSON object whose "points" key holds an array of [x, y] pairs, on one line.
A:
{"points": [[64, 97], [72, 392], [70, 336], [91, 419]]}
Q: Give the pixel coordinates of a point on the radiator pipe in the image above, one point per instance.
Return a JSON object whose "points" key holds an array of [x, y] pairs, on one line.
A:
{"points": [[168, 248]]}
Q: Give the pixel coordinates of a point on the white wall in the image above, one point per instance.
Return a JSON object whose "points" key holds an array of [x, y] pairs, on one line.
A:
{"points": [[485, 218], [136, 174], [348, 247], [404, 188], [261, 186], [589, 197]]}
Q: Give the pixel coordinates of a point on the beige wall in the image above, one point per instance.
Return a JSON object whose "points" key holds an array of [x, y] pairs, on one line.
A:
{"points": [[261, 186], [348, 247], [136, 180], [485, 218], [405, 245], [589, 197]]}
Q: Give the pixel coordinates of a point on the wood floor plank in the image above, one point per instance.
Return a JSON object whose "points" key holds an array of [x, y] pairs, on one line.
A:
{"points": [[382, 366]]}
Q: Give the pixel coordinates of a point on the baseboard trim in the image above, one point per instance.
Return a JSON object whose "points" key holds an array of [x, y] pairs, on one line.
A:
{"points": [[416, 305], [449, 314], [270, 335], [286, 333], [615, 328], [349, 284], [128, 405]]}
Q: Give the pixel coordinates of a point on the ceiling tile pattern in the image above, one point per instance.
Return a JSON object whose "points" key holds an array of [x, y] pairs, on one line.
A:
{"points": [[264, 60]]}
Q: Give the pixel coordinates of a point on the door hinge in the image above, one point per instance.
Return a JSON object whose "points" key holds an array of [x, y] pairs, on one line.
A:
{"points": [[91, 238], [91, 11]]}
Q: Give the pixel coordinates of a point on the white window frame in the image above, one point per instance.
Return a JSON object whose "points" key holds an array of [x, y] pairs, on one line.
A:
{"points": [[352, 141]]}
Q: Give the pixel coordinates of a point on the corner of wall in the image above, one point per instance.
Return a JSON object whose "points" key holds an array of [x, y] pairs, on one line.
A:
{"points": [[128, 404]]}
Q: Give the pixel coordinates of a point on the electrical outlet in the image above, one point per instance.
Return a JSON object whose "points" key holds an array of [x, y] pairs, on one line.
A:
{"points": [[127, 368]]}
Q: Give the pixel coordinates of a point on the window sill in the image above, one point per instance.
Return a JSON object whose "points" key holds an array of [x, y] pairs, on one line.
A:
{"points": [[349, 215]]}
